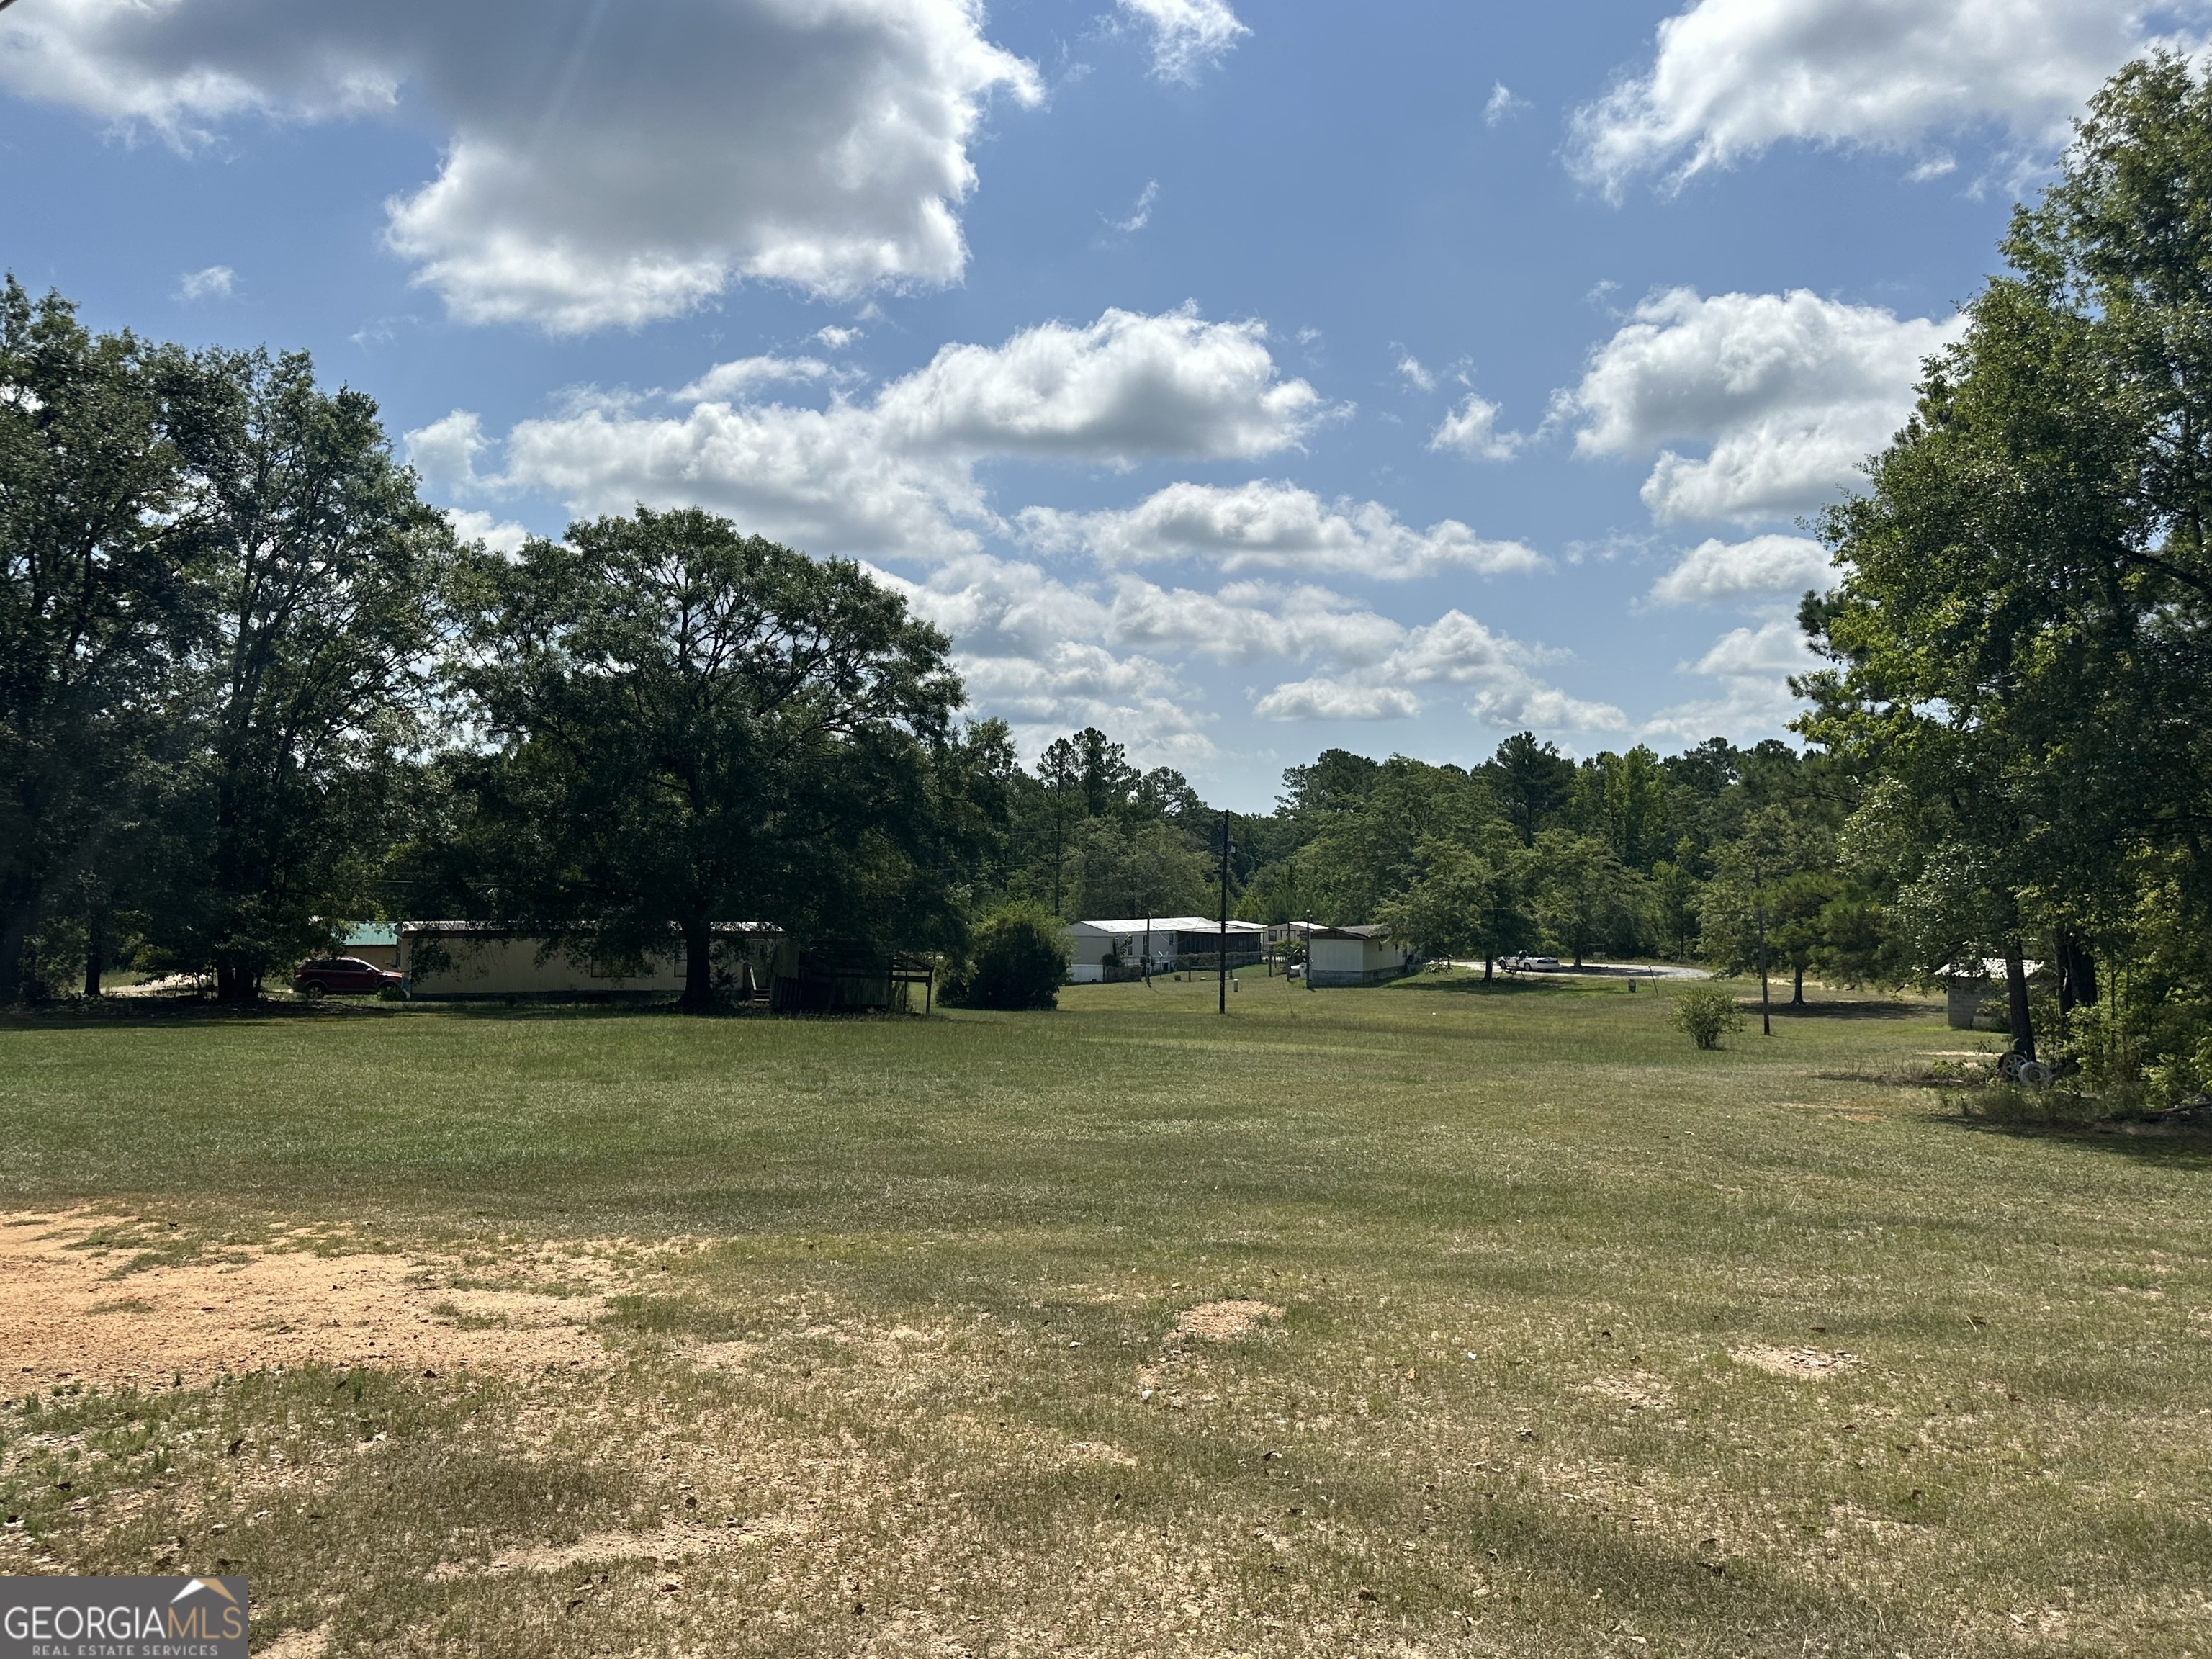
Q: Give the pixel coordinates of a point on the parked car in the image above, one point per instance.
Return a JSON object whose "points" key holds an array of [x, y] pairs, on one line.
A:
{"points": [[1531, 964], [340, 976]]}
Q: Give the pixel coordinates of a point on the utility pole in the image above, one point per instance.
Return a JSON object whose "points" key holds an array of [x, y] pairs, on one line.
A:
{"points": [[1765, 1005], [1222, 938]]}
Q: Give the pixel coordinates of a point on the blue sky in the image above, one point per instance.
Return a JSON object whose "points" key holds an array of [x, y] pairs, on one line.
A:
{"points": [[1241, 378]]}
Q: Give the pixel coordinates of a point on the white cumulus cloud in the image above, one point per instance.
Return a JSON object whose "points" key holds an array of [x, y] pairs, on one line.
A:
{"points": [[500, 535], [1472, 430], [214, 283], [1271, 526], [1034, 652], [1752, 667], [1045, 653], [1455, 656], [605, 165], [445, 451], [1731, 78], [1764, 568], [1127, 388], [734, 379], [1788, 392], [896, 474], [1188, 36]]}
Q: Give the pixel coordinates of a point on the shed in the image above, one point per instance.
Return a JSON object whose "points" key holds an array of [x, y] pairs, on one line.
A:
{"points": [[376, 943], [1974, 995], [1360, 954], [1118, 948], [850, 979]]}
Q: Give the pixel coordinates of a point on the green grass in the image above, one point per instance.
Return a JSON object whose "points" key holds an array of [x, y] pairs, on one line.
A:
{"points": [[912, 1352]]}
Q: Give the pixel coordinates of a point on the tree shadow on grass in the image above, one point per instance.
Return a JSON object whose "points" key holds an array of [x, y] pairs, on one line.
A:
{"points": [[195, 1011], [185, 1011], [1475, 985], [2182, 1146], [1873, 1008]]}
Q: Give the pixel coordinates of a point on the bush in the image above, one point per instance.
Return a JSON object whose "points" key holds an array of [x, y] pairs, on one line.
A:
{"points": [[1704, 1013], [1020, 960]]}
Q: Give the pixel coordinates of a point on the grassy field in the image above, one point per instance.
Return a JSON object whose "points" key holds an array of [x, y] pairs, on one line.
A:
{"points": [[1589, 1343]]}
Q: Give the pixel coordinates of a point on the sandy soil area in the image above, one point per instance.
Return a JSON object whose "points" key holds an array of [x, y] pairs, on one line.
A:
{"points": [[68, 1314]]}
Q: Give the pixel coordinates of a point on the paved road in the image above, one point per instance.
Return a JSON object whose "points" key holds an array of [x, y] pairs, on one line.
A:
{"points": [[1605, 970]]}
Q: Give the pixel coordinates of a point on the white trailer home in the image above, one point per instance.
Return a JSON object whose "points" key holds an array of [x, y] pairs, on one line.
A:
{"points": [[1119, 948]]}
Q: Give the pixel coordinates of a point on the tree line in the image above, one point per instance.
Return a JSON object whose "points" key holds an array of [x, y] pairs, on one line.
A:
{"points": [[252, 686], [1711, 854], [256, 689]]}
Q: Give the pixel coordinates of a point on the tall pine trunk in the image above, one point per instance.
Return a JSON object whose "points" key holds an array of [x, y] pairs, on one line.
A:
{"points": [[2023, 1029], [2077, 974], [698, 968], [1797, 988], [17, 978]]}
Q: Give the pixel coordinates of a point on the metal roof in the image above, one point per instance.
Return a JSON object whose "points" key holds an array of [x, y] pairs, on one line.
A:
{"points": [[1171, 925]]}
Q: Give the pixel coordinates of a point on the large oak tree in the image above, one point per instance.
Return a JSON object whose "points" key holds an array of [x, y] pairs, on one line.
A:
{"points": [[689, 726]]}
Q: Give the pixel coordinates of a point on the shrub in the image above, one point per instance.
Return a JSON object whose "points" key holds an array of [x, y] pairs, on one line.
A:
{"points": [[1020, 960], [1704, 1013]]}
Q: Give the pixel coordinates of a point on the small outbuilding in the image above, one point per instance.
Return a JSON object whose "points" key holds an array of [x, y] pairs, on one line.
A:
{"points": [[376, 943], [1360, 954], [1975, 997]]}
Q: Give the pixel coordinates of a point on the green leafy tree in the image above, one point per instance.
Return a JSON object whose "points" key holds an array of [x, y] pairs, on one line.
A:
{"points": [[1623, 798], [1676, 893], [2023, 637], [319, 573], [1585, 898], [1766, 905], [1465, 902], [695, 727], [95, 563], [1363, 856], [1530, 782], [1021, 959], [1127, 866]]}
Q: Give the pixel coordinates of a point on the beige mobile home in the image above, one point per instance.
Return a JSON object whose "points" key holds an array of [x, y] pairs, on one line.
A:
{"points": [[459, 960]]}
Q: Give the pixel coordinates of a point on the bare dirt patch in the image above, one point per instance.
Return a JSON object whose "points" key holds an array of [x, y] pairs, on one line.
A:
{"points": [[664, 1548], [1640, 1391], [1221, 1321], [299, 1645], [1801, 1365], [64, 1316]]}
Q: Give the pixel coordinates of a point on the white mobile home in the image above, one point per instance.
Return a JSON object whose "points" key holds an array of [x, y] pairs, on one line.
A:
{"points": [[1121, 948]]}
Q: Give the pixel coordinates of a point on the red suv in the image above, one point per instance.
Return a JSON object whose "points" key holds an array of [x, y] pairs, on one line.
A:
{"points": [[317, 980]]}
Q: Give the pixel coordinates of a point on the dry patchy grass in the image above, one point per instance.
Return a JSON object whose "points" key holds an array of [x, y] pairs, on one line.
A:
{"points": [[1414, 1321]]}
